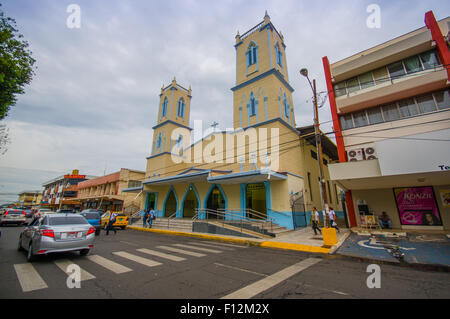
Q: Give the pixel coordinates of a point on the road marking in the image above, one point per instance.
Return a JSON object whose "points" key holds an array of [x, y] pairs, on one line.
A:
{"points": [[64, 263], [181, 251], [272, 280], [214, 251], [138, 259], [109, 264], [209, 245], [29, 278], [160, 254], [241, 269]]}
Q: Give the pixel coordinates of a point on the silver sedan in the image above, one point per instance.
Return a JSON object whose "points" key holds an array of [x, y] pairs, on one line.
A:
{"points": [[53, 233]]}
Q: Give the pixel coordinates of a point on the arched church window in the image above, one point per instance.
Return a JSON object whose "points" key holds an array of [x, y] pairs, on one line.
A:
{"points": [[164, 108], [181, 105], [252, 54], [252, 105]]}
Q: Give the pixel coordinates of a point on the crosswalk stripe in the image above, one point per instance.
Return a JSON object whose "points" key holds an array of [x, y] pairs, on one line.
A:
{"points": [[138, 259], [29, 278], [160, 254], [109, 264], [219, 244], [209, 245], [214, 251], [272, 280], [181, 251], [64, 263]]}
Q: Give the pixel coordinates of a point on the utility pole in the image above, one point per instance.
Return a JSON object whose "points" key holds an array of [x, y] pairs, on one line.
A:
{"points": [[323, 192]]}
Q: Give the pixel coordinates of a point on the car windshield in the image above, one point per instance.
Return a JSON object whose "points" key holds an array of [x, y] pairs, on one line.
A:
{"points": [[91, 215], [66, 220]]}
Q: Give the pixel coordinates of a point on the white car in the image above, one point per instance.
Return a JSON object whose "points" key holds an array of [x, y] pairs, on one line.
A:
{"points": [[13, 216]]}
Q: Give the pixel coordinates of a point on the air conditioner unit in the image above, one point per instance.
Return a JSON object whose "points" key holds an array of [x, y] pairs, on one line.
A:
{"points": [[371, 153], [355, 155]]}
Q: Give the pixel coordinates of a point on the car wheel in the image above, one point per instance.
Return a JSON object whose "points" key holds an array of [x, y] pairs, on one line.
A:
{"points": [[97, 231], [30, 256], [84, 252], [19, 246]]}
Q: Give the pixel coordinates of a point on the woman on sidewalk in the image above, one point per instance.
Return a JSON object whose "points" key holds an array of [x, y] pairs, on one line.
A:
{"points": [[332, 216], [315, 221]]}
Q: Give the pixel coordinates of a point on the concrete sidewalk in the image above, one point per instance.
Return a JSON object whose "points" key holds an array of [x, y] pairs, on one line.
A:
{"points": [[299, 240]]}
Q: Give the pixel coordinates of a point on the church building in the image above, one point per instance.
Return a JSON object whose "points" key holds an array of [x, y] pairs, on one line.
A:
{"points": [[265, 167]]}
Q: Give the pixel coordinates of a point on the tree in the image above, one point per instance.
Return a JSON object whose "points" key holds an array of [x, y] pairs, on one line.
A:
{"points": [[16, 64]]}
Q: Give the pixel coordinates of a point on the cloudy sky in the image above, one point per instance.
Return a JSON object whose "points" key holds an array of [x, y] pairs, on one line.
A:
{"points": [[94, 99]]}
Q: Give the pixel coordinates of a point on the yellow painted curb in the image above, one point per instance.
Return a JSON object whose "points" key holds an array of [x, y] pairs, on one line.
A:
{"points": [[265, 244], [299, 247]]}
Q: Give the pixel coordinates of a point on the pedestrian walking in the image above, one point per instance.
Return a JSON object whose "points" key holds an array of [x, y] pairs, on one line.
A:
{"points": [[151, 217], [144, 214], [315, 221], [332, 216], [111, 221]]}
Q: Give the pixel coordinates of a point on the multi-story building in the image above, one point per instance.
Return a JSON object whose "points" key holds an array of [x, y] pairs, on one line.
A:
{"points": [[390, 106], [29, 198], [262, 166], [106, 192], [61, 192]]}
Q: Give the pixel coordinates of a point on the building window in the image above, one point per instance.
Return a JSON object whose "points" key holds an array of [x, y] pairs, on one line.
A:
{"points": [[426, 103], [309, 185], [390, 112], [313, 154], [396, 70], [410, 65], [180, 110], [360, 118], [159, 142], [442, 99], [407, 108], [278, 55], [164, 108], [286, 106], [252, 105], [346, 121], [375, 115], [414, 106], [252, 54]]}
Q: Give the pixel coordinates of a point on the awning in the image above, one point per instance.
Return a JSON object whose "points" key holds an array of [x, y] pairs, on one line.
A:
{"points": [[255, 176], [177, 179]]}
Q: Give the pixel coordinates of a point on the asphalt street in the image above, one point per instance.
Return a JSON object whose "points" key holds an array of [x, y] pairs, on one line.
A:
{"points": [[133, 264]]}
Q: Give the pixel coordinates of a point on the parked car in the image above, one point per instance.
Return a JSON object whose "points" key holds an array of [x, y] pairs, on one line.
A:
{"points": [[93, 216], [28, 212], [54, 233], [13, 216], [41, 211], [121, 220], [66, 211]]}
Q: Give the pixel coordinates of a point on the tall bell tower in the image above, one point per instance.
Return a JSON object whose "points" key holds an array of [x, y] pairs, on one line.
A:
{"points": [[174, 110], [262, 91]]}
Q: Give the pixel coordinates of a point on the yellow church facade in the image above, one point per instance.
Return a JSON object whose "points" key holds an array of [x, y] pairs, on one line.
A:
{"points": [[262, 167]]}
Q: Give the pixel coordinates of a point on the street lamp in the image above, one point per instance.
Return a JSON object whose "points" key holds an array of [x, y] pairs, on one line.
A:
{"points": [[323, 197]]}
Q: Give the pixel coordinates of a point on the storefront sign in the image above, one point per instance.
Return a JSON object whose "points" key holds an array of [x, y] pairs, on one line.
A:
{"points": [[417, 206], [75, 176], [445, 197]]}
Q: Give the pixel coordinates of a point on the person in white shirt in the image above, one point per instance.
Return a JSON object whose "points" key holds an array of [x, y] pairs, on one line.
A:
{"points": [[315, 221], [332, 216]]}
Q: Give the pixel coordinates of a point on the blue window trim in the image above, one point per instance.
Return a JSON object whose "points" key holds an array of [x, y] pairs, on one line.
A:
{"points": [[164, 107], [180, 108]]}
